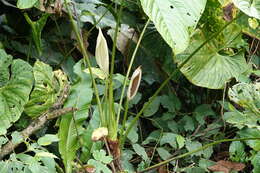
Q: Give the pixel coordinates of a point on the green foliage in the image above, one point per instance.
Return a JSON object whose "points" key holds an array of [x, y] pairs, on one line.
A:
{"points": [[218, 59], [16, 86], [185, 14], [47, 139], [247, 96], [23, 4], [37, 27], [251, 8], [179, 117], [47, 88], [70, 125]]}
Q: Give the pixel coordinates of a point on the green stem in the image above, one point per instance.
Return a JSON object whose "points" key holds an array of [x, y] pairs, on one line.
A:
{"points": [[124, 122], [129, 69], [171, 76], [86, 58], [112, 123], [195, 151]]}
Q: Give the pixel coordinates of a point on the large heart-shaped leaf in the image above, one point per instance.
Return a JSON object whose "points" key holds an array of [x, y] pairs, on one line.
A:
{"points": [[174, 19], [80, 98], [250, 7], [15, 88], [214, 64], [46, 89]]}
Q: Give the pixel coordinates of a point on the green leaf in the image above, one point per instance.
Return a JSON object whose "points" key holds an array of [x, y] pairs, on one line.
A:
{"points": [[255, 162], [202, 111], [153, 137], [46, 154], [37, 27], [133, 134], [163, 153], [215, 63], [23, 4], [169, 138], [14, 94], [46, 90], [175, 20], [251, 133], [153, 107], [16, 137], [180, 141], [101, 156], [100, 167], [140, 151], [91, 12], [245, 22], [47, 139], [171, 102], [193, 145], [247, 96], [80, 97], [250, 7], [237, 151]]}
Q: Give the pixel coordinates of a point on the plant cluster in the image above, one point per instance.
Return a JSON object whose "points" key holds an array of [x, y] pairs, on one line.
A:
{"points": [[129, 86]]}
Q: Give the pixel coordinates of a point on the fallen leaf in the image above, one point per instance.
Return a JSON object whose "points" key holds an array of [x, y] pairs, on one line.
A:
{"points": [[226, 166]]}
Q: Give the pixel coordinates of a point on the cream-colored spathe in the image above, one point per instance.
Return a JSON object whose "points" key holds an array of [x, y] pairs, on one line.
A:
{"points": [[102, 56]]}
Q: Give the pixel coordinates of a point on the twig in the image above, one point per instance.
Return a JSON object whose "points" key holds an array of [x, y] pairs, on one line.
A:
{"points": [[54, 112]]}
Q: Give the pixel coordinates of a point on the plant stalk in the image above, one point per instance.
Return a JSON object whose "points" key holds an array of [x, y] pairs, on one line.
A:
{"points": [[129, 69], [195, 151]]}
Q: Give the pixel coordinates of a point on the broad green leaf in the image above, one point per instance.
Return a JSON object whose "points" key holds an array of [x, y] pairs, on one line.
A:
{"points": [[46, 154], [153, 137], [193, 145], [97, 72], [14, 93], [237, 152], [133, 134], [180, 141], [202, 111], [6, 61], [23, 4], [171, 102], [47, 139], [215, 63], [101, 156], [256, 162], [80, 97], [153, 107], [169, 138], [140, 151], [16, 137], [46, 89], [251, 133], [247, 96], [99, 167], [174, 19], [163, 153], [250, 7], [89, 145], [37, 27]]}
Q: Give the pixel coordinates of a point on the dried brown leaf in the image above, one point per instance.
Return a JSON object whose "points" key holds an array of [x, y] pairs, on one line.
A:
{"points": [[226, 166]]}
